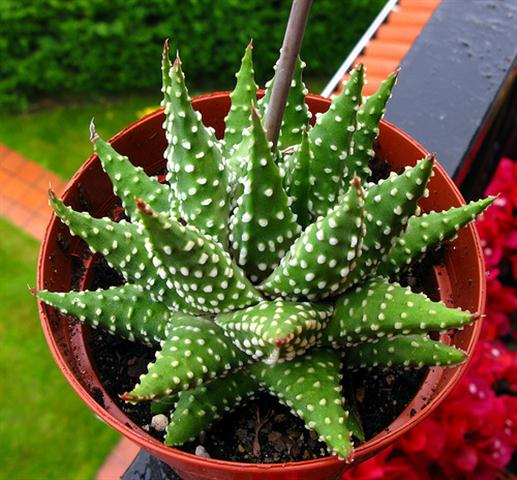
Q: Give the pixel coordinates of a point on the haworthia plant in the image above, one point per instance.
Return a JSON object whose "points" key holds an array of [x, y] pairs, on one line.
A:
{"points": [[200, 406], [428, 231], [266, 270], [389, 204], [195, 350], [242, 97], [123, 245], [379, 308], [299, 181], [195, 266], [130, 181], [127, 311], [321, 260], [195, 162], [296, 114]]}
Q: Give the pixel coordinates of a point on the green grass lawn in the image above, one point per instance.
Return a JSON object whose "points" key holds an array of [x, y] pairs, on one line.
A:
{"points": [[57, 137], [46, 431]]}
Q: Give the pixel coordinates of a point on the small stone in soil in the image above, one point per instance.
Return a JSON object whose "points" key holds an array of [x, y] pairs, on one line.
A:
{"points": [[159, 422], [201, 452]]}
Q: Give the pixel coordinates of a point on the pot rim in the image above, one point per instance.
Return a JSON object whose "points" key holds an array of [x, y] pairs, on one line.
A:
{"points": [[160, 449]]}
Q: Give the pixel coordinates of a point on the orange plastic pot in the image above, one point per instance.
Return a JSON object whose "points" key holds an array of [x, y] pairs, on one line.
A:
{"points": [[459, 282]]}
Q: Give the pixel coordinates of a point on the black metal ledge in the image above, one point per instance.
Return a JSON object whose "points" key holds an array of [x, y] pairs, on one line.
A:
{"points": [[455, 84]]}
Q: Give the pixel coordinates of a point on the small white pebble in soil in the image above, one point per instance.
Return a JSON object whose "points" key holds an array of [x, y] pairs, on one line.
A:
{"points": [[201, 452], [159, 422]]}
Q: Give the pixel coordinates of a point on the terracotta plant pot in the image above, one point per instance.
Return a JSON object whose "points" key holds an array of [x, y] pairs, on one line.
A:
{"points": [[460, 282]]}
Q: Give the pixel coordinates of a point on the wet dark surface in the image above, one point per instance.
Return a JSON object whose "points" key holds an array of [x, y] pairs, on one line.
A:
{"points": [[147, 467], [454, 80]]}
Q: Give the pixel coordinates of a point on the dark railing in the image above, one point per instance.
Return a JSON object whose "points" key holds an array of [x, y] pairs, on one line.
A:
{"points": [[456, 89]]}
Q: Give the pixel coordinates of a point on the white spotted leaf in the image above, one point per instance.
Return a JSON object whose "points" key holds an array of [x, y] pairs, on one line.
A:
{"points": [[275, 331], [195, 351], [311, 386]]}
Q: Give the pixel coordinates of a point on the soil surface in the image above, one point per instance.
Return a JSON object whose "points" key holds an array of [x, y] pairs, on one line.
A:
{"points": [[262, 430]]}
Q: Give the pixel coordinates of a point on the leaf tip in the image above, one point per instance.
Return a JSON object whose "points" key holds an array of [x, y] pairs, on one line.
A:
{"points": [[177, 60], [93, 133], [143, 208], [126, 397]]}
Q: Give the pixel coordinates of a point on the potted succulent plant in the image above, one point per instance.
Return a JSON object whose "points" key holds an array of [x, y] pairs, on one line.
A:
{"points": [[253, 269]]}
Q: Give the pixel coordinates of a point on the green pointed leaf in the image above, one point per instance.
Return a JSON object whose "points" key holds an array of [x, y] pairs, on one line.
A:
{"points": [[408, 351], [262, 227], [383, 309], [428, 231], [195, 267], [167, 93], [319, 263], [237, 163], [242, 97], [198, 408], [123, 245], [164, 405], [310, 386], [264, 101], [368, 119], [130, 182], [296, 113], [195, 351], [354, 424], [389, 204], [275, 331], [330, 139], [298, 180], [194, 160], [126, 311]]}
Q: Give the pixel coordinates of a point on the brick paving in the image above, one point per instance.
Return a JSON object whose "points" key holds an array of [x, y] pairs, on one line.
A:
{"points": [[118, 461], [23, 192], [387, 49]]}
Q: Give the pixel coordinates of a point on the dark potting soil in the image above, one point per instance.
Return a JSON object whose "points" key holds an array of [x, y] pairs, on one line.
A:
{"points": [[262, 430]]}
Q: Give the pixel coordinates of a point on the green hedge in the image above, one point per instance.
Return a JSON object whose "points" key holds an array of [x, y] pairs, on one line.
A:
{"points": [[51, 47]]}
